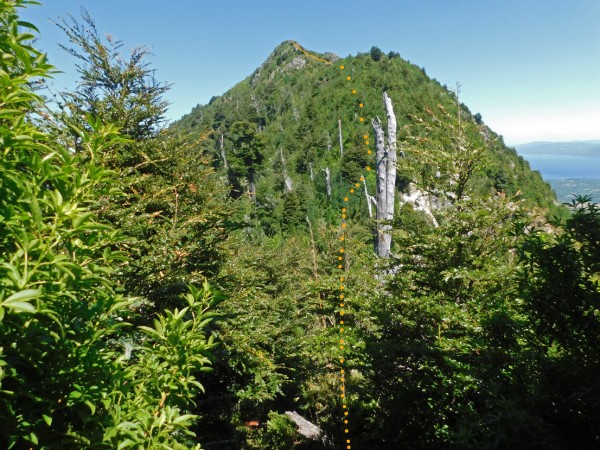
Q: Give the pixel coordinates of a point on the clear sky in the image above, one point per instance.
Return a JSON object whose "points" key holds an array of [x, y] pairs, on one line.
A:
{"points": [[530, 67]]}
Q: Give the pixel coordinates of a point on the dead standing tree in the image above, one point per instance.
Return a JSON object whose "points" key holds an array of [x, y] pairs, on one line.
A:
{"points": [[386, 158]]}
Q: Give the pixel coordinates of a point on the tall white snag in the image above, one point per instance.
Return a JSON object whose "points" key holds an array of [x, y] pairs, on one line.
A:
{"points": [[386, 159], [328, 180], [340, 137], [286, 178], [222, 150], [370, 199]]}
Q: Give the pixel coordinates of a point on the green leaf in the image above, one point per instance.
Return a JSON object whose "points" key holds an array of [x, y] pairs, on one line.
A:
{"points": [[184, 419], [91, 406], [126, 443], [33, 438], [82, 218], [75, 395], [36, 212], [21, 307], [14, 274], [9, 112], [29, 25], [149, 330], [17, 301], [58, 199], [47, 419]]}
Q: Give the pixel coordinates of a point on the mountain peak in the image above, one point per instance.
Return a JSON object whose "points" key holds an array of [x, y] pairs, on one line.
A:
{"points": [[289, 55], [289, 51]]}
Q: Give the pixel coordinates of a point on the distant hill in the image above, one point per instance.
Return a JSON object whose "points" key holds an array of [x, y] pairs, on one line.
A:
{"points": [[588, 149], [563, 160]]}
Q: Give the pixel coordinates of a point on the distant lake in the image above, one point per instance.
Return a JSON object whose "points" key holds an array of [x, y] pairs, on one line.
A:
{"points": [[563, 166]]}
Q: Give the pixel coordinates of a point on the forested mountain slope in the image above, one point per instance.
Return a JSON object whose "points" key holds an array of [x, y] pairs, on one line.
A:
{"points": [[291, 111]]}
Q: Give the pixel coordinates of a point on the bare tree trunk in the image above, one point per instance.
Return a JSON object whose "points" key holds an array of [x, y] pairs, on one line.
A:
{"points": [[386, 159], [328, 180], [340, 136], [286, 178], [391, 156], [370, 198], [310, 172], [251, 186], [222, 150]]}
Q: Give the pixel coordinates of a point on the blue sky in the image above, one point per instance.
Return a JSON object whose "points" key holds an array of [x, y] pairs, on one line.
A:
{"points": [[530, 67]]}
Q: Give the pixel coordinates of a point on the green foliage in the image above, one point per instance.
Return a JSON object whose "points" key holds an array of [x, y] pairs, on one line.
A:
{"points": [[449, 152], [293, 213], [427, 348], [174, 208], [158, 378], [561, 298], [56, 304], [376, 53], [64, 380], [353, 164], [479, 332], [280, 433], [177, 217], [444, 336], [121, 91], [247, 153]]}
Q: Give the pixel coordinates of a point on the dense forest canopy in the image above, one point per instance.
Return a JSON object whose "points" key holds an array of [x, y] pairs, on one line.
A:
{"points": [[179, 287]]}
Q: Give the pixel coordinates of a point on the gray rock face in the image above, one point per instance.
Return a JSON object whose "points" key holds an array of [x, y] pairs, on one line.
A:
{"points": [[297, 63], [332, 57]]}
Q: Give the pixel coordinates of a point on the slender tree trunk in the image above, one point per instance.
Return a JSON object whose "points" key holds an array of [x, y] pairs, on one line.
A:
{"points": [[310, 172], [222, 150], [328, 180], [386, 160], [340, 136], [251, 186], [286, 178], [370, 198]]}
